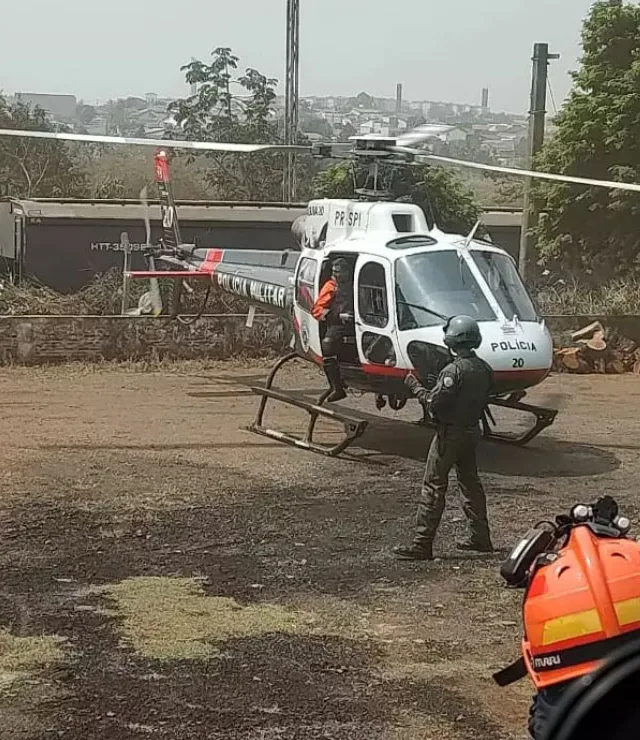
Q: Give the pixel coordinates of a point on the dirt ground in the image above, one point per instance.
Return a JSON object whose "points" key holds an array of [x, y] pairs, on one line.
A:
{"points": [[167, 574]]}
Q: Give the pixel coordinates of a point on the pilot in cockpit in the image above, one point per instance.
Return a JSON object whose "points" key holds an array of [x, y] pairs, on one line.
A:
{"points": [[334, 308]]}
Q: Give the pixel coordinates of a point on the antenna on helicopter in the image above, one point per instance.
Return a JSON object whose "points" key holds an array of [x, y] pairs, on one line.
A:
{"points": [[472, 233]]}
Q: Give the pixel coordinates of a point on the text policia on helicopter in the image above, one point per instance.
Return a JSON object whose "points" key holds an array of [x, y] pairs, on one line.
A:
{"points": [[456, 404], [581, 576]]}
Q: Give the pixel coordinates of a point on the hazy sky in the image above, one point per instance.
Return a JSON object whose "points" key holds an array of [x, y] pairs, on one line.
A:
{"points": [[444, 50]]}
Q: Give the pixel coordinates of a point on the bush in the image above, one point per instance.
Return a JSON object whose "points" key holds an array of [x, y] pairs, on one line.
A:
{"points": [[614, 298]]}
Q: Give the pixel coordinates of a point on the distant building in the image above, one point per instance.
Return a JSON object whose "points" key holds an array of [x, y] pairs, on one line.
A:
{"points": [[61, 107]]}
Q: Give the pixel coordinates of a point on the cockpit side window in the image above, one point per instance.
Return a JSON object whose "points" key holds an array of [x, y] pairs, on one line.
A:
{"points": [[502, 277], [305, 285]]}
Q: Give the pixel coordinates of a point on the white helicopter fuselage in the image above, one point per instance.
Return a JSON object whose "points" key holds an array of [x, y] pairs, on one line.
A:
{"points": [[404, 276]]}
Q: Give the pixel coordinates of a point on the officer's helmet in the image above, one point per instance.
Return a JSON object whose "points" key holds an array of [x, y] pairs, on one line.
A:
{"points": [[462, 332]]}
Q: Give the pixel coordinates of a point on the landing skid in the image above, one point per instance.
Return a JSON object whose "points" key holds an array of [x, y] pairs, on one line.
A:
{"points": [[353, 427], [543, 419]]}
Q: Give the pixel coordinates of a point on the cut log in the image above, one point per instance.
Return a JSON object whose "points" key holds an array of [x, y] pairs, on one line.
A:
{"points": [[615, 367], [584, 368], [588, 331], [597, 343], [625, 346], [570, 358]]}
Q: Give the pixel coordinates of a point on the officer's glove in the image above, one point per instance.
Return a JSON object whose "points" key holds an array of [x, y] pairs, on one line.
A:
{"points": [[411, 381], [346, 318]]}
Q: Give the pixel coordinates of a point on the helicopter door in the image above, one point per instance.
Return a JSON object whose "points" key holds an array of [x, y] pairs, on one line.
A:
{"points": [[375, 325], [306, 281]]}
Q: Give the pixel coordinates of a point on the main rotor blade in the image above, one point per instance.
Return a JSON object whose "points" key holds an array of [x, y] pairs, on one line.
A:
{"points": [[205, 146], [631, 186], [421, 133]]}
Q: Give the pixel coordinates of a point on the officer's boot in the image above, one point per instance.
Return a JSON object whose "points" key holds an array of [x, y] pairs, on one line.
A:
{"points": [[478, 542], [415, 551], [332, 371], [475, 545]]}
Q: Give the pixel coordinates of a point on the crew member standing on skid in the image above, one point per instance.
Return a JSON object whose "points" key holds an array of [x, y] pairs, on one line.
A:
{"points": [[456, 404], [334, 307]]}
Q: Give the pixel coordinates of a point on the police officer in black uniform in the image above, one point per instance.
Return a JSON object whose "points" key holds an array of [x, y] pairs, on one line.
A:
{"points": [[456, 404]]}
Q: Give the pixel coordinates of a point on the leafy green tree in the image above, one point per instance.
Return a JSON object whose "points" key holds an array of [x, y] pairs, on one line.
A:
{"points": [[122, 172], [594, 230], [232, 109], [31, 168], [436, 190]]}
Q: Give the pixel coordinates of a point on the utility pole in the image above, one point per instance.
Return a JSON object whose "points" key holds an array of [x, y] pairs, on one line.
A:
{"points": [[537, 113], [291, 96]]}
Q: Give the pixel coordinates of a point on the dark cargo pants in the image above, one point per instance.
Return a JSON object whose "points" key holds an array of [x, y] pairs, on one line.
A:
{"points": [[452, 446]]}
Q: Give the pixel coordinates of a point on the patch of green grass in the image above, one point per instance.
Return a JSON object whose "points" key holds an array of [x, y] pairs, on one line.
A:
{"points": [[172, 618], [21, 656]]}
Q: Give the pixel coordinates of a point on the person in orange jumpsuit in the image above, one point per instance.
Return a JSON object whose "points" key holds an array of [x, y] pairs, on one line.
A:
{"points": [[334, 308]]}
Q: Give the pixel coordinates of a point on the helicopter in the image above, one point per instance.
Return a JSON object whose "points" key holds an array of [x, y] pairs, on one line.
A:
{"points": [[409, 279]]}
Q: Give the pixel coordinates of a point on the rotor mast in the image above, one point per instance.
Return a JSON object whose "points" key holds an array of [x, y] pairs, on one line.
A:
{"points": [[291, 96]]}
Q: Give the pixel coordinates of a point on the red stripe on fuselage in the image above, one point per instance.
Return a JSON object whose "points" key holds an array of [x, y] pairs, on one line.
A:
{"points": [[212, 259], [526, 377]]}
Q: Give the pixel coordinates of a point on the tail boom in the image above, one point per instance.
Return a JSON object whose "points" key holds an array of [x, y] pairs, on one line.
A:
{"points": [[262, 278]]}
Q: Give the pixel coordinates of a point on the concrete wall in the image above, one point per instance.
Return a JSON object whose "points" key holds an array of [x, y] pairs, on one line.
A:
{"points": [[37, 340]]}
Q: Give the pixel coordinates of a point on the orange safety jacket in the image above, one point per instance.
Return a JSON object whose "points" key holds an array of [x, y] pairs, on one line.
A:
{"points": [[322, 306]]}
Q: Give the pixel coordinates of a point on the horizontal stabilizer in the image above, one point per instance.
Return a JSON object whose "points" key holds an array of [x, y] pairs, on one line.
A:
{"points": [[264, 278]]}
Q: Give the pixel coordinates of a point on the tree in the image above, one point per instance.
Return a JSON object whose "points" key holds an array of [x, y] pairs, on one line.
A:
{"points": [[86, 114], [232, 109], [595, 230], [436, 190], [33, 168], [122, 172]]}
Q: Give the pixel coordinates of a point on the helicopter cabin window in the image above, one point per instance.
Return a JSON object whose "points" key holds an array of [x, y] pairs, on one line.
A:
{"points": [[433, 285], [372, 295], [378, 349], [500, 272], [305, 286], [403, 222]]}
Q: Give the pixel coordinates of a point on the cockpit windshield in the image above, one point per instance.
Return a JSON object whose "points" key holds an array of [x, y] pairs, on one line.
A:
{"points": [[502, 277], [432, 285]]}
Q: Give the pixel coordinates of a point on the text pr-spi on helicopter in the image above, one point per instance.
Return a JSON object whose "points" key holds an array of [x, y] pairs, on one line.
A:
{"points": [[408, 280]]}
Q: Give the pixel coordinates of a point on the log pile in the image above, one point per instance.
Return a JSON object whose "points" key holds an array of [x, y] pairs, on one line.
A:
{"points": [[594, 349]]}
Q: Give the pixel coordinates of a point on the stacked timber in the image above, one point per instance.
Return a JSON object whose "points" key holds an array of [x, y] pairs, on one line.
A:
{"points": [[594, 349]]}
